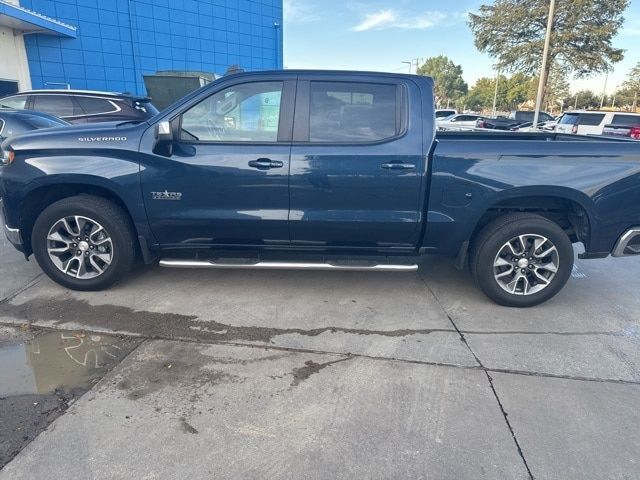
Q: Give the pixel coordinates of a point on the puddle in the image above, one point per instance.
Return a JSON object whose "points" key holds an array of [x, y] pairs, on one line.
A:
{"points": [[54, 361]]}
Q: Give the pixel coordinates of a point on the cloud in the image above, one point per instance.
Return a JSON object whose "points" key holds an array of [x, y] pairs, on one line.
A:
{"points": [[298, 11], [389, 18]]}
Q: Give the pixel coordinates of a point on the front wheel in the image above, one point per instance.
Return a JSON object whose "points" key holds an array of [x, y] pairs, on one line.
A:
{"points": [[84, 242], [521, 260]]}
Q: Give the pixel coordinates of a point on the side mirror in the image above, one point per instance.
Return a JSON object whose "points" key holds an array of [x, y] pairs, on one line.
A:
{"points": [[164, 139]]}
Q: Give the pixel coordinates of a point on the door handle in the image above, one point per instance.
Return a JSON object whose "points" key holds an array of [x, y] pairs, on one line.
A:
{"points": [[398, 166], [265, 163]]}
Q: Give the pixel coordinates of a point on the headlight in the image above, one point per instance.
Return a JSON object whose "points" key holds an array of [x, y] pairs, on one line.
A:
{"points": [[7, 157]]}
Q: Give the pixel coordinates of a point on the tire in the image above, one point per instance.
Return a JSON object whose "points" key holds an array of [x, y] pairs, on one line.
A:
{"points": [[105, 257], [505, 276]]}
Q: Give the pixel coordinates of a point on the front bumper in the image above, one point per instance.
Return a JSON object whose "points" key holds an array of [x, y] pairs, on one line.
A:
{"points": [[628, 244], [13, 235]]}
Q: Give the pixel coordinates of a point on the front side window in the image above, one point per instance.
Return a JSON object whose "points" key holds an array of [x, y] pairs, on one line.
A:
{"points": [[248, 112], [18, 102], [591, 119], [58, 105], [352, 112]]}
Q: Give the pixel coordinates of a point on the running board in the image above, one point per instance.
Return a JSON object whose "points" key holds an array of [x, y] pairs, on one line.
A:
{"points": [[288, 266]]}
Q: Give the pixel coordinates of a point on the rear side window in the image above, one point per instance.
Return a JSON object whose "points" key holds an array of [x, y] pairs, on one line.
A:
{"points": [[569, 119], [626, 120], [466, 118], [18, 102], [95, 105], [591, 119], [58, 105], [352, 112]]}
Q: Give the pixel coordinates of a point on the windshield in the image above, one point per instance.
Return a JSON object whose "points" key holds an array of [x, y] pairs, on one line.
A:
{"points": [[569, 119]]}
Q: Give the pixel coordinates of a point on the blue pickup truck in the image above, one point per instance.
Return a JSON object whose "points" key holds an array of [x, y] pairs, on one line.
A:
{"points": [[318, 170]]}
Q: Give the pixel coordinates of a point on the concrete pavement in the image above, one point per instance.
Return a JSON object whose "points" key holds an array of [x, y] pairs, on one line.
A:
{"points": [[335, 375]]}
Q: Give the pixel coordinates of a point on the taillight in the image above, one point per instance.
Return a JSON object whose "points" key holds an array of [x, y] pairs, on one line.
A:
{"points": [[574, 129], [635, 133]]}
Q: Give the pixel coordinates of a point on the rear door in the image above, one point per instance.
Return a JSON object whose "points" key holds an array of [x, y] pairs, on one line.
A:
{"points": [[357, 169]]}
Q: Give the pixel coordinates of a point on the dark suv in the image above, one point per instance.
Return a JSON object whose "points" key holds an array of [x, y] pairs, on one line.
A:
{"points": [[82, 106]]}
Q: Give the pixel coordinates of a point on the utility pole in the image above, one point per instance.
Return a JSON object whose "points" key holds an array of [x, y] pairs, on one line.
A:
{"points": [[495, 95], [543, 69], [604, 90], [575, 107]]}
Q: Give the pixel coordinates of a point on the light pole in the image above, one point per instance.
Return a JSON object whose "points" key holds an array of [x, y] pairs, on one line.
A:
{"points": [[543, 68], [408, 63], [495, 95], [604, 90]]}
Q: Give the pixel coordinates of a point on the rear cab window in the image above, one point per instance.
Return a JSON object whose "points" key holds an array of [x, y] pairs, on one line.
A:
{"points": [[350, 112]]}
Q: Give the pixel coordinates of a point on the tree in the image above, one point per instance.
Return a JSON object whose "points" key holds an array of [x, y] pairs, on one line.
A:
{"points": [[584, 100], [513, 32], [556, 90], [480, 96], [447, 76], [631, 86]]}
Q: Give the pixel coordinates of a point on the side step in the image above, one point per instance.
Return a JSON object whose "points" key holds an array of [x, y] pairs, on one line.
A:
{"points": [[265, 265]]}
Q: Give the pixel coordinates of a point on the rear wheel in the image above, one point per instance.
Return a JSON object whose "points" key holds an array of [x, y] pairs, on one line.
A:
{"points": [[521, 260], [84, 242]]}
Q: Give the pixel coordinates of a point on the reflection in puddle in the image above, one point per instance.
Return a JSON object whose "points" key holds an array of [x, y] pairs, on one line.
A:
{"points": [[58, 360]]}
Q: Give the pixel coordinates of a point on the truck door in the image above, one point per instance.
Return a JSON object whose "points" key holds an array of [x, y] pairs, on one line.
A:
{"points": [[226, 180], [357, 169]]}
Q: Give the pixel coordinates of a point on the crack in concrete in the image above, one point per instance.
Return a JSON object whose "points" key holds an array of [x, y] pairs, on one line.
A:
{"points": [[505, 415]]}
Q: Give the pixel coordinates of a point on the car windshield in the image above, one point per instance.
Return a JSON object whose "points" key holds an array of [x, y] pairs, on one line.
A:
{"points": [[569, 119]]}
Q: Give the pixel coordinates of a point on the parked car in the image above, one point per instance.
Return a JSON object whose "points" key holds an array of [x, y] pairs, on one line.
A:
{"points": [[517, 119], [591, 122], [83, 106], [319, 170], [625, 131], [13, 122], [461, 121], [445, 112]]}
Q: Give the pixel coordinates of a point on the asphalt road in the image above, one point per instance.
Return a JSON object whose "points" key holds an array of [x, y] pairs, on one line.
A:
{"points": [[250, 374]]}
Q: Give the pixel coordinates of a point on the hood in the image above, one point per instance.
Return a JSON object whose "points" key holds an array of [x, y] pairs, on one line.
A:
{"points": [[92, 135]]}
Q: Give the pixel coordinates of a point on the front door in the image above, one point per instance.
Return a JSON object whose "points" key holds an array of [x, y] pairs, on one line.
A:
{"points": [[226, 181], [357, 170]]}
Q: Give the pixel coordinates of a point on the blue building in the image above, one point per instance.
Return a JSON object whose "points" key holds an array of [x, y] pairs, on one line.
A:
{"points": [[110, 44]]}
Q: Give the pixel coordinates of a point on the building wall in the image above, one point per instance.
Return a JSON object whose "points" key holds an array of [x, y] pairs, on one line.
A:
{"points": [[120, 40], [13, 65]]}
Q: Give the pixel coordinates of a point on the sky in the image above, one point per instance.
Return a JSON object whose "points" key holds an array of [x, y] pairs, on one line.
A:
{"points": [[381, 34]]}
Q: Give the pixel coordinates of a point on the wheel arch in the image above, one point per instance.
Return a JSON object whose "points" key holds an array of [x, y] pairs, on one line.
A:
{"points": [[39, 198], [570, 209]]}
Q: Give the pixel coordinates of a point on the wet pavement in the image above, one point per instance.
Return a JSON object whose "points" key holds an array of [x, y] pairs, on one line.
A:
{"points": [[247, 374], [42, 372]]}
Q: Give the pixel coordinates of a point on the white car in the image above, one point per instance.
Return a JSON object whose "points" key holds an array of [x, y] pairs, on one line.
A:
{"points": [[592, 122], [461, 121]]}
